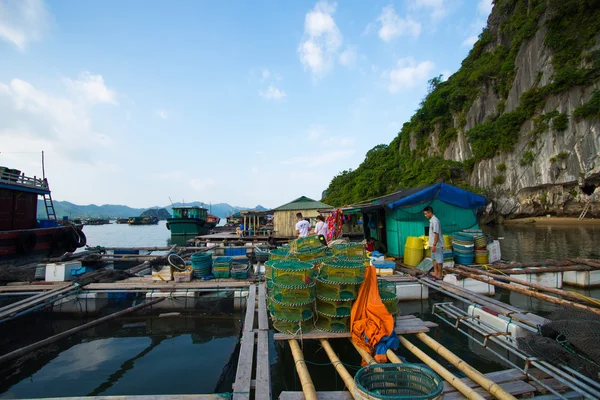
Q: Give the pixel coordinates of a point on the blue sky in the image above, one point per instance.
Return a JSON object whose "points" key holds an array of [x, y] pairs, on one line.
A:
{"points": [[245, 102]]}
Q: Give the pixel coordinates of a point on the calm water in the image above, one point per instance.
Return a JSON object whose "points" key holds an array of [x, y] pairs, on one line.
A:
{"points": [[146, 354]]}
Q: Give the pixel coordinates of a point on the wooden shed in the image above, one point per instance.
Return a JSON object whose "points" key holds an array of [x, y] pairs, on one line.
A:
{"points": [[284, 217]]}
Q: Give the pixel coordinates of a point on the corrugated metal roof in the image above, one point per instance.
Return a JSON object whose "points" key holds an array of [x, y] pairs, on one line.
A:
{"points": [[302, 203]]}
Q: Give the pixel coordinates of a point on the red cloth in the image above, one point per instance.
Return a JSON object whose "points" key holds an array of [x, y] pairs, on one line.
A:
{"points": [[370, 247]]}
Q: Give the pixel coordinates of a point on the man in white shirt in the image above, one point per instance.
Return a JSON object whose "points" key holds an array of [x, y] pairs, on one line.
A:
{"points": [[302, 226], [436, 242]]}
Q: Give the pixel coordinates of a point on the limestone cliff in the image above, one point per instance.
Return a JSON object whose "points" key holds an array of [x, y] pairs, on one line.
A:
{"points": [[520, 121]]}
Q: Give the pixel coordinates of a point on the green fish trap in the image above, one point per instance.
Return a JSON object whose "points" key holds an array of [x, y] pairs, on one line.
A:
{"points": [[311, 254], [305, 243], [351, 249], [291, 327], [334, 309], [290, 313], [331, 324], [280, 253], [341, 272], [293, 274], [336, 292], [292, 296]]}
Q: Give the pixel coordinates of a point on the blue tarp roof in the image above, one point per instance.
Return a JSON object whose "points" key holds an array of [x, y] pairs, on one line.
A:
{"points": [[441, 191]]}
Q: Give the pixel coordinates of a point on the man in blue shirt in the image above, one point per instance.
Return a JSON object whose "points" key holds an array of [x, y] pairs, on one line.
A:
{"points": [[436, 242]]}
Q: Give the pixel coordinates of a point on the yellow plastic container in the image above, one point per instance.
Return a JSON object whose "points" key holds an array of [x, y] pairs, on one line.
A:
{"points": [[414, 242], [413, 256], [447, 242], [427, 252]]}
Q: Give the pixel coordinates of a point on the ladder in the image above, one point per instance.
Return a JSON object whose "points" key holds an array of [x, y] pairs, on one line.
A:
{"points": [[48, 203], [585, 210]]}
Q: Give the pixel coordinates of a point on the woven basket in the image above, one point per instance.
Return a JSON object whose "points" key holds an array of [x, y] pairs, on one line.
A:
{"points": [[397, 382]]}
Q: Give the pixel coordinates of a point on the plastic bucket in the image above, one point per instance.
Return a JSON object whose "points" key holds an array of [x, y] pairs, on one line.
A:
{"points": [[414, 242], [447, 241], [412, 256]]}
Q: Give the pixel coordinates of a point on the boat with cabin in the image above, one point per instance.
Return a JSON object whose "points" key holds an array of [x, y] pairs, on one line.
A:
{"points": [[143, 221], [212, 221], [22, 236], [189, 221]]}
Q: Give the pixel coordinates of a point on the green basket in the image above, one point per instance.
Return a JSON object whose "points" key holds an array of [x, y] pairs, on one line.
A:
{"points": [[293, 274], [292, 327], [336, 292], [352, 249], [240, 271], [305, 243], [221, 274], [330, 324], [286, 312], [342, 272], [334, 309], [398, 382], [292, 296]]}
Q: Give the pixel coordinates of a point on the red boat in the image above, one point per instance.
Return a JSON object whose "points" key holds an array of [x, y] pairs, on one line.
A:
{"points": [[212, 221], [22, 237]]}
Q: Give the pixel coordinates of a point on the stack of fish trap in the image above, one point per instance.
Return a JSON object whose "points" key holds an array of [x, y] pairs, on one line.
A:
{"points": [[387, 293], [202, 263], [463, 247], [222, 267]]}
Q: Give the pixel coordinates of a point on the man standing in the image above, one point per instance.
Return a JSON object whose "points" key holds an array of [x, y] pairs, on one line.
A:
{"points": [[302, 226], [436, 242]]}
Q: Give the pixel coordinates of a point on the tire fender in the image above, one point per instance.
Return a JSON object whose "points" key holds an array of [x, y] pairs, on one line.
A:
{"points": [[26, 242]]}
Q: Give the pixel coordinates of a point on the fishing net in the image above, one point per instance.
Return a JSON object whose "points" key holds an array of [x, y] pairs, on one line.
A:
{"points": [[293, 296], [331, 324], [342, 272], [334, 309], [570, 337], [336, 292], [351, 249], [293, 274]]}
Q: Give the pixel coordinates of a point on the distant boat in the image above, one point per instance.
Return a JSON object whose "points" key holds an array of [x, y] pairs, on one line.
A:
{"points": [[22, 237], [96, 221], [190, 221], [122, 220], [212, 221], [143, 221]]}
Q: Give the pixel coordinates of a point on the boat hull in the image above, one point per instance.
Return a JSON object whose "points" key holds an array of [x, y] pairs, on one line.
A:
{"points": [[48, 242], [187, 226]]}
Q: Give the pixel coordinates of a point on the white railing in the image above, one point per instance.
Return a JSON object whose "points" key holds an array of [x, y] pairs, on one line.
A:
{"points": [[22, 180]]}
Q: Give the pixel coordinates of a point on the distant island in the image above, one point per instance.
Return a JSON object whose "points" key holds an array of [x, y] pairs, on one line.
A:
{"points": [[112, 211]]}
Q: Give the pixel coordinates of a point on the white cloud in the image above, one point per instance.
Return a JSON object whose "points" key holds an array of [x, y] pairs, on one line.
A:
{"points": [[164, 114], [322, 39], [436, 7], [23, 21], [485, 7], [392, 26], [92, 88], [272, 93], [408, 74], [348, 57]]}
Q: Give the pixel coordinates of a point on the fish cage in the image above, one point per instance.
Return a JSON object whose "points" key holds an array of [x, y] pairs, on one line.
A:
{"points": [[293, 274], [354, 259], [392, 306], [294, 296], [351, 249], [387, 289], [334, 309], [290, 313], [280, 253], [305, 243], [342, 272], [311, 254], [292, 327], [336, 292], [397, 381], [331, 324]]}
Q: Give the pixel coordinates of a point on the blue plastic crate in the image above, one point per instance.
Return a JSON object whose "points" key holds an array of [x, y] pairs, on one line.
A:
{"points": [[384, 264], [235, 252]]}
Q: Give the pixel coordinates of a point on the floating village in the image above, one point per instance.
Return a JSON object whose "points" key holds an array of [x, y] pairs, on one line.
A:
{"points": [[342, 289]]}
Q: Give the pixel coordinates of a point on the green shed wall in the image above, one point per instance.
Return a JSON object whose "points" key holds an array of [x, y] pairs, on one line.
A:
{"points": [[410, 221]]}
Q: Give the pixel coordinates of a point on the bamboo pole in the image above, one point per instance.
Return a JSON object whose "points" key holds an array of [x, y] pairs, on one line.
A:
{"points": [[52, 339], [586, 261], [307, 384], [489, 385], [541, 296], [452, 379], [559, 292], [339, 367], [363, 353], [522, 271]]}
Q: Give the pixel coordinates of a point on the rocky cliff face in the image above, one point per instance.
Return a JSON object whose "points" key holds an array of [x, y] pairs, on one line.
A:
{"points": [[557, 171]]}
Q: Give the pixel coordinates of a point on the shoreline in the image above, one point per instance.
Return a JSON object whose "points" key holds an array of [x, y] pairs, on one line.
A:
{"points": [[552, 221]]}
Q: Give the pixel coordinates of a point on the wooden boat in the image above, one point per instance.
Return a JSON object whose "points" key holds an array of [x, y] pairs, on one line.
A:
{"points": [[143, 221], [189, 221], [211, 221], [122, 220], [96, 221], [22, 237]]}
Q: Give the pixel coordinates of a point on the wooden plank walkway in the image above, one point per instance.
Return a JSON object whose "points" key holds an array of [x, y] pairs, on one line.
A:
{"points": [[243, 377], [404, 324], [139, 284], [144, 397]]}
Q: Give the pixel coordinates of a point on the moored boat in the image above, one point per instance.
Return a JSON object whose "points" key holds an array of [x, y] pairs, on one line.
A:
{"points": [[22, 236], [189, 221], [122, 220], [143, 221], [212, 221]]}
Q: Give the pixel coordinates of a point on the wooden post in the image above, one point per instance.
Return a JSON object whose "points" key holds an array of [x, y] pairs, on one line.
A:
{"points": [[307, 384], [339, 367], [489, 385], [559, 292], [541, 296], [245, 226], [364, 354], [462, 387], [52, 339]]}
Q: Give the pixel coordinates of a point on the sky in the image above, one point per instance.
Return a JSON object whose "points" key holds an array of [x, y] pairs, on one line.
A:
{"points": [[140, 102]]}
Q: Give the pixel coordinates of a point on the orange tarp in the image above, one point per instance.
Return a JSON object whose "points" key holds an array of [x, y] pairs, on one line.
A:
{"points": [[370, 320]]}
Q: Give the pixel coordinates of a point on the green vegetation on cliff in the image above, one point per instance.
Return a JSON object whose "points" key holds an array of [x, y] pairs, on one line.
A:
{"points": [[410, 159]]}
